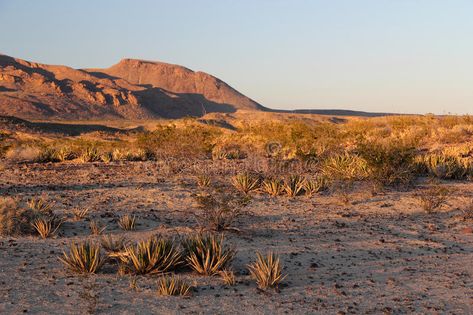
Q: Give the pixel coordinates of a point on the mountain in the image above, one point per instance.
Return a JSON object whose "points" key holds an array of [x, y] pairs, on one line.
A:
{"points": [[131, 89]]}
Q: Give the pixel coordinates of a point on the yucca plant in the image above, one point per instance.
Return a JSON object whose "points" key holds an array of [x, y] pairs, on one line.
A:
{"points": [[96, 228], [267, 271], [228, 277], [245, 182], [113, 244], [294, 185], [273, 187], [156, 255], [127, 222], [47, 226], [173, 285], [313, 186], [80, 213], [65, 154], [207, 254], [84, 257], [90, 154]]}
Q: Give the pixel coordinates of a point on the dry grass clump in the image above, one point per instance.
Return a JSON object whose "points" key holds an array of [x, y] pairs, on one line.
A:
{"points": [[90, 154], [156, 255], [433, 197], [207, 254], [447, 165], [267, 271], [127, 222], [80, 213], [173, 286], [245, 182], [218, 212], [40, 205], [47, 226], [272, 186], [344, 167], [468, 210], [84, 257], [294, 185], [228, 277], [97, 228]]}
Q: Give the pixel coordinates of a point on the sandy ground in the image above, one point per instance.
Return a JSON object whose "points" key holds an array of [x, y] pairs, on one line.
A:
{"points": [[380, 254]]}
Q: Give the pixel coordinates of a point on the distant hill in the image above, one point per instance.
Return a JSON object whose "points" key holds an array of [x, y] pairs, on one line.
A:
{"points": [[131, 89]]}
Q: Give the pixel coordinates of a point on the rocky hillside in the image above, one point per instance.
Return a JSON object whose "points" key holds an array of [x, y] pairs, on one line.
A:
{"points": [[131, 89]]}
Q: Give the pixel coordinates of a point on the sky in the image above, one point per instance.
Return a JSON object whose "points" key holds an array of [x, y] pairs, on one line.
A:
{"points": [[401, 56]]}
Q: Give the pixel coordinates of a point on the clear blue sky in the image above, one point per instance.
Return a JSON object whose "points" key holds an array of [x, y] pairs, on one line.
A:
{"points": [[379, 55]]}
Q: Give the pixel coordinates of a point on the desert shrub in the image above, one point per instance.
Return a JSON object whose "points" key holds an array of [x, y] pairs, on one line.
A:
{"points": [[228, 152], [41, 205], [15, 219], [65, 153], [207, 254], [245, 182], [433, 197], [446, 165], [106, 157], [173, 285], [83, 257], [272, 186], [47, 154], [218, 212], [155, 255], [468, 210], [127, 222], [267, 271], [313, 186], [294, 185], [388, 163]]}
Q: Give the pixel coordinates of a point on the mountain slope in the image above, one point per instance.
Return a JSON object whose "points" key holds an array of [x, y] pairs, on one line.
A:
{"points": [[131, 89]]}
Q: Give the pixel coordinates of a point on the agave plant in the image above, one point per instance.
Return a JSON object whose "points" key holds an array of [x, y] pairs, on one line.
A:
{"points": [[172, 285], [294, 185], [267, 271], [83, 258], [245, 182], [40, 205], [127, 222], [156, 255], [113, 244], [207, 254], [273, 187], [80, 213]]}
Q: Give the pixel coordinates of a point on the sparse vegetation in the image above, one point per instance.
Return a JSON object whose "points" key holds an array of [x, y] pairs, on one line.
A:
{"points": [[313, 186], [80, 213], [228, 277], [294, 185], [47, 226], [267, 271], [96, 228], [113, 244], [207, 254], [273, 186], [433, 197]]}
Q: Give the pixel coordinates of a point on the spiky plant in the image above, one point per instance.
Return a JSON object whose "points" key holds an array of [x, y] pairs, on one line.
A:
{"points": [[173, 285], [40, 205], [267, 271], [203, 180], [83, 257], [90, 154], [294, 185], [156, 255], [245, 182], [228, 277], [313, 186], [113, 244], [207, 254], [80, 213], [47, 226], [272, 186], [96, 228], [106, 157], [127, 222], [14, 219]]}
